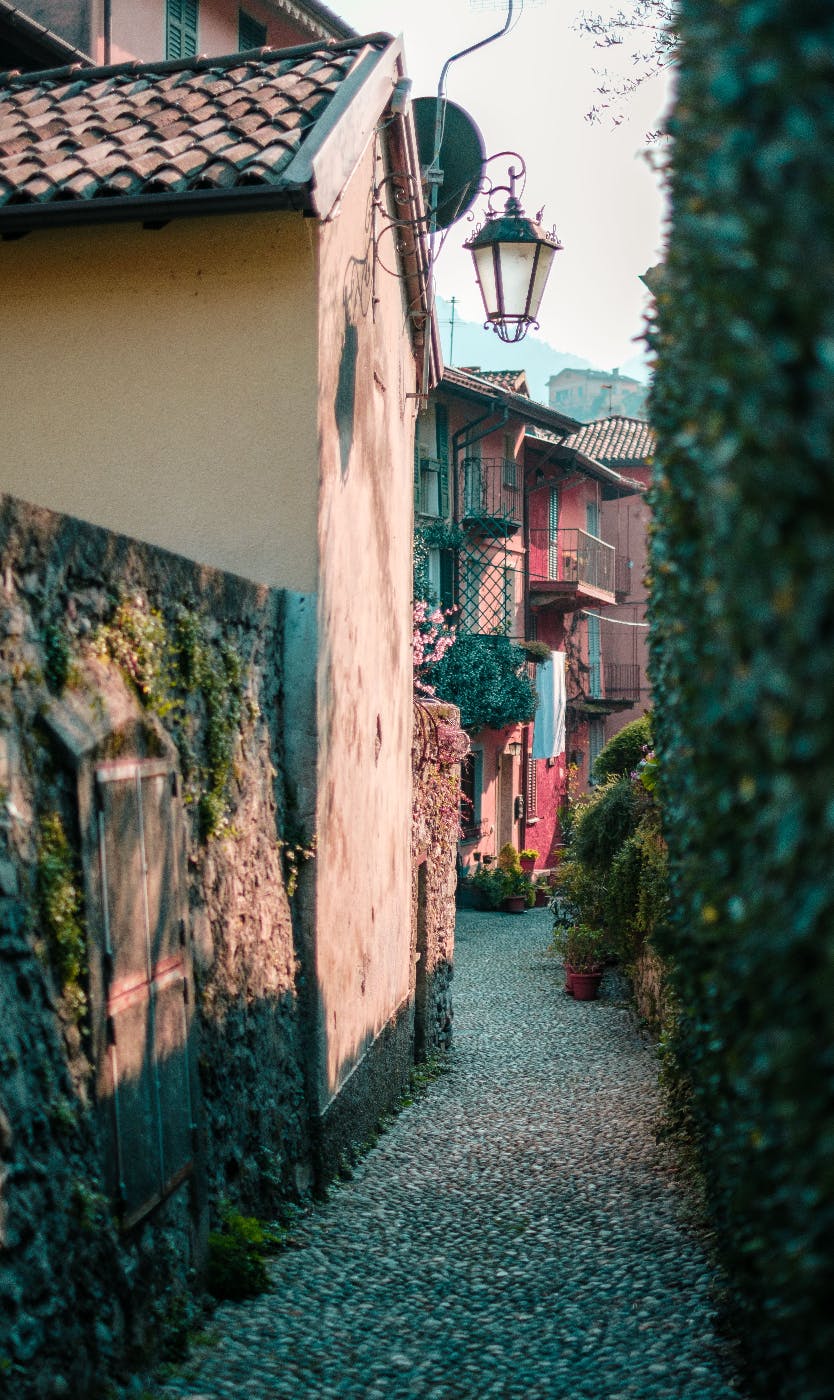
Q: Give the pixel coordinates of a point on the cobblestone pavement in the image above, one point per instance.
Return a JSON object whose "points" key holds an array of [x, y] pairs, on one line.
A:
{"points": [[513, 1234]]}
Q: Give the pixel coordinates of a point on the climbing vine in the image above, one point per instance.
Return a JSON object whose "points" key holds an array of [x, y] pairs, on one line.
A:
{"points": [[61, 911]]}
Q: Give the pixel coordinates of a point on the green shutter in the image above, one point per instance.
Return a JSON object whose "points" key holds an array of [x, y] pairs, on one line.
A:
{"points": [[441, 420], [250, 33], [181, 18], [417, 492], [447, 578]]}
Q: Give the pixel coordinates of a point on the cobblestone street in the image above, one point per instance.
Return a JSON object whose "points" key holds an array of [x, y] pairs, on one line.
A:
{"points": [[514, 1234]]}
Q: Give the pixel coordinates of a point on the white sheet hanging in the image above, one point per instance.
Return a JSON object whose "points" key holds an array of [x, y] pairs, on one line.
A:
{"points": [[549, 725]]}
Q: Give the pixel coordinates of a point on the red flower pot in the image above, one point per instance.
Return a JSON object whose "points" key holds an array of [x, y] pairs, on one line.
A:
{"points": [[528, 864], [585, 985], [514, 904]]}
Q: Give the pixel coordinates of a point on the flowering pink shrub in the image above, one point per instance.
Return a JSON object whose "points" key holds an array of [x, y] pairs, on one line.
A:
{"points": [[432, 636]]}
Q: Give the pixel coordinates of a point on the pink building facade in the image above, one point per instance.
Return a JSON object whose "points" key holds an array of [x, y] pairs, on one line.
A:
{"points": [[115, 31], [523, 530]]}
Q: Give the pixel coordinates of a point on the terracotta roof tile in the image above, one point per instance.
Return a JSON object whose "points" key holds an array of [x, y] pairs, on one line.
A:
{"points": [[616, 441], [513, 380], [141, 129]]}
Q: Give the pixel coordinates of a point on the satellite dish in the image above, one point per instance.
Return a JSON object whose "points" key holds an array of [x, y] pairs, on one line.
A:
{"points": [[462, 155]]}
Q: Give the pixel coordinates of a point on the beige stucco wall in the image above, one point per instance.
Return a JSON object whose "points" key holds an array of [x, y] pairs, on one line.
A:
{"points": [[162, 384], [365, 680]]}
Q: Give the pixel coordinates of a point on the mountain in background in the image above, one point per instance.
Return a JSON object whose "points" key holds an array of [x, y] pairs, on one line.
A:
{"points": [[473, 345]]}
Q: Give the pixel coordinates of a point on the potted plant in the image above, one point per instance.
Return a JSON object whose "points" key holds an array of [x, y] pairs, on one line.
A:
{"points": [[488, 886], [584, 954], [582, 950], [518, 892], [543, 891], [528, 860]]}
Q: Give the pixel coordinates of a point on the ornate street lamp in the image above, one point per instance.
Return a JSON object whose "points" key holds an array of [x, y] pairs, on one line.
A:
{"points": [[513, 256]]}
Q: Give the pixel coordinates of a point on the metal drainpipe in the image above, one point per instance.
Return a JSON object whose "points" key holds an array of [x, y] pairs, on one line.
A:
{"points": [[107, 25]]}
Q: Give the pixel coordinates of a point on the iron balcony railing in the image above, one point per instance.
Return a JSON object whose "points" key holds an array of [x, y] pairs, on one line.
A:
{"points": [[622, 575], [621, 681], [571, 557], [490, 490]]}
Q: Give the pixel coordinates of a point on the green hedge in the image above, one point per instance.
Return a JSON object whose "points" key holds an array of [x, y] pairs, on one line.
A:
{"points": [[743, 661], [624, 751]]}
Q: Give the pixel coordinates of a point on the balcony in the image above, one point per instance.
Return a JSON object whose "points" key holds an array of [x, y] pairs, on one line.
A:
{"points": [[570, 569], [621, 681], [623, 572], [490, 496], [607, 687]]}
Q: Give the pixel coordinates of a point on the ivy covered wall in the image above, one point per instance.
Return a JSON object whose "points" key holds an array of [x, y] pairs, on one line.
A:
{"points": [[743, 662]]}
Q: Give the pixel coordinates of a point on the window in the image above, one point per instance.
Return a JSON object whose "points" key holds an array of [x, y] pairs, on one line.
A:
{"points": [[594, 658], [251, 34], [509, 599], [447, 578], [429, 488], [181, 17], [471, 770], [472, 491], [473, 578], [553, 533], [433, 570], [596, 741]]}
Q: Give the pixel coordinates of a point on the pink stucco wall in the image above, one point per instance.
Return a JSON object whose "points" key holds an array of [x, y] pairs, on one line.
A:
{"points": [[138, 30], [625, 524], [366, 386]]}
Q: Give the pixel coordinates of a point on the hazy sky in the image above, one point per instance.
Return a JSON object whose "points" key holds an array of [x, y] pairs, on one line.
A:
{"points": [[529, 92]]}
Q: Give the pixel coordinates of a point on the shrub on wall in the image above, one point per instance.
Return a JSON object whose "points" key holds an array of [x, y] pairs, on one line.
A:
{"points": [[486, 677], [743, 667]]}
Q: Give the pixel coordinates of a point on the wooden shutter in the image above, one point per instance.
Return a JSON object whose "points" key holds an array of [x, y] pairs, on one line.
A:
{"points": [[447, 578], [181, 19], [251, 34], [145, 1083], [532, 808], [441, 421], [418, 497]]}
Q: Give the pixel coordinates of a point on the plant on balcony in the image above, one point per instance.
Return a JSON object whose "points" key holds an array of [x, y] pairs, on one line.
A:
{"points": [[486, 677]]}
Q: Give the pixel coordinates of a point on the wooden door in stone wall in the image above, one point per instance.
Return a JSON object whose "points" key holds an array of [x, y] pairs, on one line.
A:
{"points": [[144, 1078]]}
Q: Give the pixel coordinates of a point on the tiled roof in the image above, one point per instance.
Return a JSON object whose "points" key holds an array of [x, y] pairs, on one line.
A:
{"points": [[29, 44], [616, 441], [140, 130], [514, 380]]}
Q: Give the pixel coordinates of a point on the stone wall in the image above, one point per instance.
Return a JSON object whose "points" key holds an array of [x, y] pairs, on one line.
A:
{"points": [[118, 658], [439, 745], [117, 649]]}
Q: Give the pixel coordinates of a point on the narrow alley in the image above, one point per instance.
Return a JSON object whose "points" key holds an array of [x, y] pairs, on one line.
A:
{"points": [[514, 1233]]}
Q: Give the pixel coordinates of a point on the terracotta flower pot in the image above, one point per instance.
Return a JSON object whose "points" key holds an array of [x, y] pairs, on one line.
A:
{"points": [[528, 864], [585, 985], [568, 980], [542, 899], [514, 904]]}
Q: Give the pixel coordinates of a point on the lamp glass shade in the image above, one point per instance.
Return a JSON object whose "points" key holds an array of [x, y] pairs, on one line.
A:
{"points": [[513, 257]]}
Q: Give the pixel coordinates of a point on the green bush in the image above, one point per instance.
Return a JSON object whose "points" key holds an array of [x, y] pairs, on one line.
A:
{"points": [[486, 677], [742, 663], [621, 755], [602, 823], [236, 1256]]}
